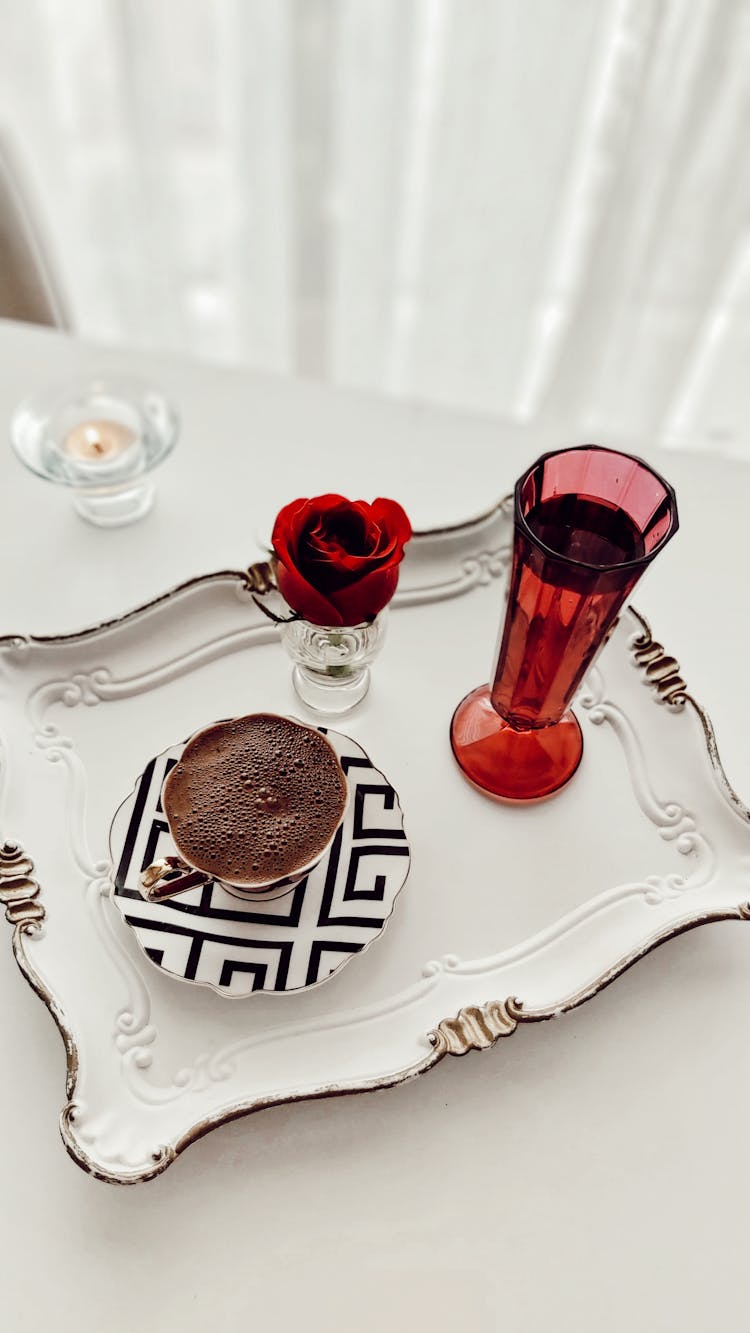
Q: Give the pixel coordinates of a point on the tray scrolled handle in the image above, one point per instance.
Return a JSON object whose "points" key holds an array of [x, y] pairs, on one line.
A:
{"points": [[169, 877]]}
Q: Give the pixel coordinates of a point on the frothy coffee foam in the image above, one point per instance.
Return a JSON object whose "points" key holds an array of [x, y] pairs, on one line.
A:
{"points": [[254, 799]]}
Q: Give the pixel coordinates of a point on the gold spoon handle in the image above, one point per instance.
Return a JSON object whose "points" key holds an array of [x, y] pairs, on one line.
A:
{"points": [[157, 888]]}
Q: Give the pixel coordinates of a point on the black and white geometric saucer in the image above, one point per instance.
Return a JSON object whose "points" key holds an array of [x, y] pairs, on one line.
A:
{"points": [[212, 938]]}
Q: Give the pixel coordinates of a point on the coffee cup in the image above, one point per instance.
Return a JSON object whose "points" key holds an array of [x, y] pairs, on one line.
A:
{"points": [[253, 803]]}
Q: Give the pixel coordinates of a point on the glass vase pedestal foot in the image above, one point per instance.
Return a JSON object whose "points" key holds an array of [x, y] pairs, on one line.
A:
{"points": [[329, 694], [512, 765]]}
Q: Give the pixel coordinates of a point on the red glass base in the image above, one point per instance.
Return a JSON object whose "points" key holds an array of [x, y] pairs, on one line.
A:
{"points": [[508, 764]]}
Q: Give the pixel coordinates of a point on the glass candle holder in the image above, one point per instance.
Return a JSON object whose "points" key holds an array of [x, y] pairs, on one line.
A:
{"points": [[101, 439], [587, 522]]}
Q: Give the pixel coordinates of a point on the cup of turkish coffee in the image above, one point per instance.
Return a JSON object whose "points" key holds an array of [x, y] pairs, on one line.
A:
{"points": [[253, 803]]}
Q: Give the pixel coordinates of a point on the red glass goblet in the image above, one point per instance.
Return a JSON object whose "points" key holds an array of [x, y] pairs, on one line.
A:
{"points": [[587, 522]]}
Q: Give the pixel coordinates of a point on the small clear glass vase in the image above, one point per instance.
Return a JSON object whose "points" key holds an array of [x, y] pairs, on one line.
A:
{"points": [[332, 663]]}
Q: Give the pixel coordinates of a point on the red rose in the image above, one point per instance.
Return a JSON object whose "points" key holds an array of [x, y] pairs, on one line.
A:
{"points": [[337, 560]]}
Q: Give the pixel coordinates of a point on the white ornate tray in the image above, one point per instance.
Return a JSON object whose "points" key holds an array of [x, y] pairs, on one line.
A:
{"points": [[510, 915]]}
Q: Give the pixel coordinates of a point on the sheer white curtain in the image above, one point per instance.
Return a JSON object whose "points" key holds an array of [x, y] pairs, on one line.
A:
{"points": [[534, 207]]}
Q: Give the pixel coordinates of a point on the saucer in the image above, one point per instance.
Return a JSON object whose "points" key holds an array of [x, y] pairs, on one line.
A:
{"points": [[209, 937]]}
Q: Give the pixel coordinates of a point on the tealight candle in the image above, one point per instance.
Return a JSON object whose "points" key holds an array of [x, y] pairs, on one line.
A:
{"points": [[98, 441]]}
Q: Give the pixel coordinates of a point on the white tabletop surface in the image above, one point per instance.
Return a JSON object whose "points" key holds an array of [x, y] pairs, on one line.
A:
{"points": [[588, 1174]]}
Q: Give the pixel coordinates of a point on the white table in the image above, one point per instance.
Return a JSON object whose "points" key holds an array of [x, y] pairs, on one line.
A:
{"points": [[588, 1174]]}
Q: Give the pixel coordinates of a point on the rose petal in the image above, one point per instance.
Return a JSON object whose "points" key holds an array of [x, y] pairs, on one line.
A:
{"points": [[300, 515], [288, 524], [345, 529], [362, 600], [390, 515], [304, 599]]}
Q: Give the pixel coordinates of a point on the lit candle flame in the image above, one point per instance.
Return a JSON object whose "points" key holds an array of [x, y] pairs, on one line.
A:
{"points": [[98, 441]]}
